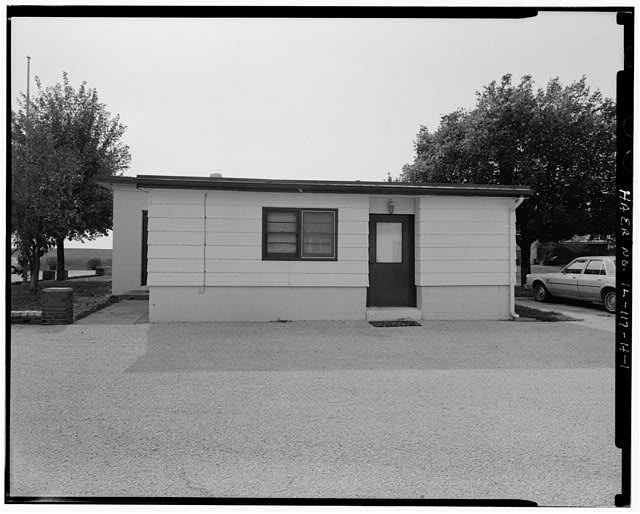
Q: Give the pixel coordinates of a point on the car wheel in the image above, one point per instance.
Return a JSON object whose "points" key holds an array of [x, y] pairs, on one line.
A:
{"points": [[540, 292], [609, 299]]}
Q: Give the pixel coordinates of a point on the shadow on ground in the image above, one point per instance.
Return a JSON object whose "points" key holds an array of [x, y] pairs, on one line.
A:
{"points": [[358, 345]]}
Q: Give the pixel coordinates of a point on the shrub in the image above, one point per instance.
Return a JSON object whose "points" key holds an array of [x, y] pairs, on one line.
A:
{"points": [[547, 252], [564, 252], [94, 262]]}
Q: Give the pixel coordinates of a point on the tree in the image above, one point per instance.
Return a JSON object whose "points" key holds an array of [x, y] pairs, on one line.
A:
{"points": [[42, 177], [558, 140], [79, 126]]}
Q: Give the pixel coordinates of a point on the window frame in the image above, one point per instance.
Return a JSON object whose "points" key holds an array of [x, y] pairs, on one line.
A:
{"points": [[299, 235], [144, 268]]}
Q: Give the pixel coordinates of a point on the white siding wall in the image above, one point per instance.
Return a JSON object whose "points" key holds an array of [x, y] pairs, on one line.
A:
{"points": [[463, 241], [379, 204], [462, 257], [233, 249], [128, 204]]}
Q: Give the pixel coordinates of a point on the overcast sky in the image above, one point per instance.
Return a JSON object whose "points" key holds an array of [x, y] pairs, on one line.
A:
{"points": [[301, 98]]}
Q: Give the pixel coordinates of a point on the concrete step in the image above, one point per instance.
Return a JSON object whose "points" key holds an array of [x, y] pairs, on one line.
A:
{"points": [[26, 316], [135, 294], [393, 313]]}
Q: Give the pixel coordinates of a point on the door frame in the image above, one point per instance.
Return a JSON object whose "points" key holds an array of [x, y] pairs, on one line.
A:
{"points": [[408, 221], [145, 247]]}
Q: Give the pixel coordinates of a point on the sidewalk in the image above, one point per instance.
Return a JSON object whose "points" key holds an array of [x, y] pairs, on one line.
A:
{"points": [[124, 312]]}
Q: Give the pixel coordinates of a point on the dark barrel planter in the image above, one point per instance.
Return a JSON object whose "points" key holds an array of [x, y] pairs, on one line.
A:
{"points": [[57, 306], [48, 274]]}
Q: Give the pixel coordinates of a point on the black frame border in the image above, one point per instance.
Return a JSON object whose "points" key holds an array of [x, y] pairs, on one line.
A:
{"points": [[624, 207]]}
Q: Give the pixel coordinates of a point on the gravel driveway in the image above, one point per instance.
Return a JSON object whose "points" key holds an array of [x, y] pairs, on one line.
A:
{"points": [[315, 409]]}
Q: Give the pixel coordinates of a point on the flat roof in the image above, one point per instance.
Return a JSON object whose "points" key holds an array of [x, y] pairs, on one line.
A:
{"points": [[315, 186]]}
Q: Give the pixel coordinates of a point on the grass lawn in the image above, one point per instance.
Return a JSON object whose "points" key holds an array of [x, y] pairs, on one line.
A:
{"points": [[86, 295], [528, 312]]}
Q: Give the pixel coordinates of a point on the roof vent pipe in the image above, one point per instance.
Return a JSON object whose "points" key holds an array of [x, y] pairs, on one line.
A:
{"points": [[215, 175]]}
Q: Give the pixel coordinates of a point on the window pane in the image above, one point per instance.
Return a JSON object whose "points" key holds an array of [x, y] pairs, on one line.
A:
{"points": [[576, 267], [318, 221], [388, 242], [282, 222], [594, 268], [282, 233], [318, 234], [287, 248], [611, 266], [281, 237]]}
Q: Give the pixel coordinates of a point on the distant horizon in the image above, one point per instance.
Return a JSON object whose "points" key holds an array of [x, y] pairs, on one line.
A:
{"points": [[96, 244]]}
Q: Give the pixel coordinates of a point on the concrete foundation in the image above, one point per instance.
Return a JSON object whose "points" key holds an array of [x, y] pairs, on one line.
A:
{"points": [[464, 302], [185, 303], [179, 303]]}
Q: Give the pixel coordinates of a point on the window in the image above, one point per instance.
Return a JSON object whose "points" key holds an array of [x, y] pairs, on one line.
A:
{"points": [[299, 234], [575, 267], [318, 234], [281, 234], [595, 267], [388, 242], [611, 266]]}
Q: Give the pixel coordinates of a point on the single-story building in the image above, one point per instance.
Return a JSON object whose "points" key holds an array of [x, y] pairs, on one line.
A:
{"points": [[243, 249]]}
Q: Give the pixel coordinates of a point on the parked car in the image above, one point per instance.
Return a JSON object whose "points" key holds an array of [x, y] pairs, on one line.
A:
{"points": [[585, 278], [15, 266]]}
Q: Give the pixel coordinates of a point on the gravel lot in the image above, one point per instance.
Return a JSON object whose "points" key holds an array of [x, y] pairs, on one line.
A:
{"points": [[316, 409]]}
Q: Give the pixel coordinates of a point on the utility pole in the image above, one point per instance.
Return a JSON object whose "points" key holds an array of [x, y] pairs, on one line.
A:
{"points": [[24, 272], [28, 82]]}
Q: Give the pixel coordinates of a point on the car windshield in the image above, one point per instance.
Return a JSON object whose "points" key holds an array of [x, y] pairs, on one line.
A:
{"points": [[575, 267]]}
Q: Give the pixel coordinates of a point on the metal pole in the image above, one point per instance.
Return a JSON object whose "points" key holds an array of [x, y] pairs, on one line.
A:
{"points": [[24, 274], [28, 81]]}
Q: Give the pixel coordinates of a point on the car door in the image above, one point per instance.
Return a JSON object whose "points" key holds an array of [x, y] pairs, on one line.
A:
{"points": [[591, 280], [565, 284]]}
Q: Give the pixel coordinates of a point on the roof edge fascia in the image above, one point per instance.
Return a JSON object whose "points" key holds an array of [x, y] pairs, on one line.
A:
{"points": [[314, 186]]}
